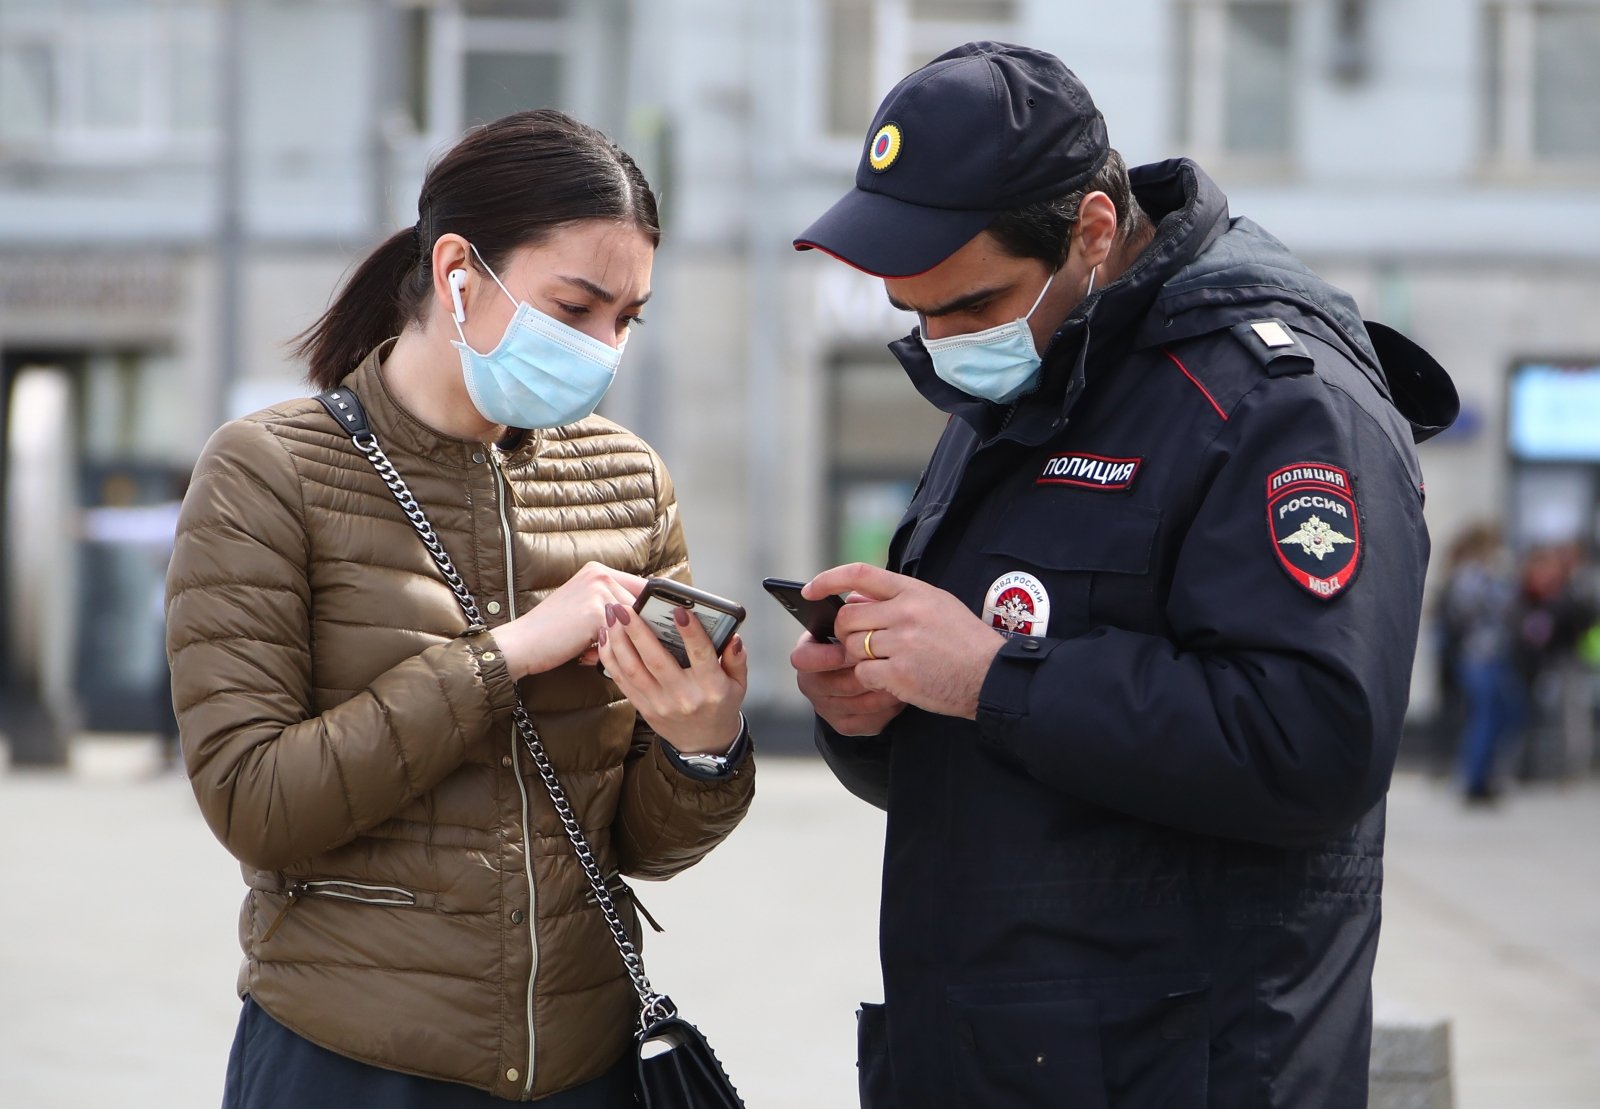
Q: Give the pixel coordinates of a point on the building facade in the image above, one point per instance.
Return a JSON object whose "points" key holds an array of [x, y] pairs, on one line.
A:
{"points": [[182, 184]]}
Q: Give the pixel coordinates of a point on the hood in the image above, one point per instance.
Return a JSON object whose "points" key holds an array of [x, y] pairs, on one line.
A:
{"points": [[1245, 273]]}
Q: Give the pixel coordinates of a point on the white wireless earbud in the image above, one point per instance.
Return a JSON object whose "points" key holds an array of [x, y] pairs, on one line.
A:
{"points": [[457, 279]]}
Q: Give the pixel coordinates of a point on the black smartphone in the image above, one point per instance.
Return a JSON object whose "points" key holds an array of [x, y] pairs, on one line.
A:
{"points": [[662, 597], [815, 616]]}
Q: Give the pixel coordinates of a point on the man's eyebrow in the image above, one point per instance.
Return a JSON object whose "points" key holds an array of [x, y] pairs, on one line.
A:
{"points": [[605, 296], [960, 303]]}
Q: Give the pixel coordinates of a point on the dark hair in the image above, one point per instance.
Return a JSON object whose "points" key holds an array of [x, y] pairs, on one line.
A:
{"points": [[1043, 230], [507, 184]]}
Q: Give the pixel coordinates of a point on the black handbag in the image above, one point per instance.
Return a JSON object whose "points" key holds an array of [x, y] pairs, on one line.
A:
{"points": [[676, 1067]]}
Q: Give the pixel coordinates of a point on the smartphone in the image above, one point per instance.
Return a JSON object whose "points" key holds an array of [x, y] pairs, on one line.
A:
{"points": [[815, 616], [662, 597]]}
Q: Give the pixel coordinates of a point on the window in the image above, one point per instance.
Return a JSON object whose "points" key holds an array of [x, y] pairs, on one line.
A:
{"points": [[477, 60], [1542, 85], [869, 45], [1234, 87], [514, 58], [106, 79]]}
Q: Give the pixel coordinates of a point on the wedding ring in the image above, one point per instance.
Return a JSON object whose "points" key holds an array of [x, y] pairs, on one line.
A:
{"points": [[866, 645]]}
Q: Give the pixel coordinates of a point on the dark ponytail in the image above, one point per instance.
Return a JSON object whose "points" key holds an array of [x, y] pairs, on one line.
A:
{"points": [[506, 185]]}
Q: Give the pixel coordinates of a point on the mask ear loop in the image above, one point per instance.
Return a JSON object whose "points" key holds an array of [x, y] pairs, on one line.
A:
{"points": [[1038, 300], [496, 278]]}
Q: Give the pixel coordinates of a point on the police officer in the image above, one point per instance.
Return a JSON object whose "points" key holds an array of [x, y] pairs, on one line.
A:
{"points": [[1131, 685]]}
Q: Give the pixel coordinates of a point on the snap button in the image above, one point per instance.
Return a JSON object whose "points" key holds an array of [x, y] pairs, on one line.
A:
{"points": [[479, 457], [489, 656], [505, 761], [1027, 645], [513, 1074], [493, 607], [517, 917]]}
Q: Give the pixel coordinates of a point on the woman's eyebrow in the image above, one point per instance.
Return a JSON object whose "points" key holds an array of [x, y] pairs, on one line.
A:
{"points": [[605, 296]]}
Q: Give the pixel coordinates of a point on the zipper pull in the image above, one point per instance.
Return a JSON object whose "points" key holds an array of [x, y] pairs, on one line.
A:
{"points": [[500, 464], [623, 887], [294, 898]]}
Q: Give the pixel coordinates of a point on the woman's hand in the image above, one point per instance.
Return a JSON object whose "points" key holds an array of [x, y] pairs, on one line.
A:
{"points": [[694, 708], [565, 625]]}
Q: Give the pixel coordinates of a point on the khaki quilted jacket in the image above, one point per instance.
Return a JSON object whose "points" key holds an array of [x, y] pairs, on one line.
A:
{"points": [[413, 901]]}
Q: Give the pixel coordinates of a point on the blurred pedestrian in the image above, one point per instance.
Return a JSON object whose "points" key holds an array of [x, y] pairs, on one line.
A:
{"points": [[1479, 607], [1556, 608], [418, 931], [1132, 684]]}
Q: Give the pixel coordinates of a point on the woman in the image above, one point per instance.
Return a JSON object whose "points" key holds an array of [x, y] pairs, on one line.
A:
{"points": [[417, 931]]}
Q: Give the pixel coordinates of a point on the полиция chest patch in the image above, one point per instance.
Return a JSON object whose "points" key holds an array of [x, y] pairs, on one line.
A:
{"points": [[1315, 526], [1089, 471], [1017, 604]]}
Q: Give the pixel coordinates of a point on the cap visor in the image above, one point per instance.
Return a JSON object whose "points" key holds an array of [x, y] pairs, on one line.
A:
{"points": [[886, 237]]}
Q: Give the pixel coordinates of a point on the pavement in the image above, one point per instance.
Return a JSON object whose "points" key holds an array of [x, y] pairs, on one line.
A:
{"points": [[118, 958]]}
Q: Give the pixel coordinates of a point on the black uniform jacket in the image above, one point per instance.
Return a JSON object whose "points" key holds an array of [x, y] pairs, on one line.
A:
{"points": [[1148, 875]]}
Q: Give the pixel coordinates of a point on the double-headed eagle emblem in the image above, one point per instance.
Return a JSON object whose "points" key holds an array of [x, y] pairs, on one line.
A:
{"points": [[1316, 537]]}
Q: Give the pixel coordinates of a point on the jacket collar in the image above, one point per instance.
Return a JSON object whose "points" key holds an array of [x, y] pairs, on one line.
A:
{"points": [[394, 425]]}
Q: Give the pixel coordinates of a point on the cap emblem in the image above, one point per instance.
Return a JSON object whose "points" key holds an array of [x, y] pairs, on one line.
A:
{"points": [[885, 148]]}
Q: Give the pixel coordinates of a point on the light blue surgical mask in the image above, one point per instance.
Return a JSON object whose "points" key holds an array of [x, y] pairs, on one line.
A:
{"points": [[542, 373], [997, 365]]}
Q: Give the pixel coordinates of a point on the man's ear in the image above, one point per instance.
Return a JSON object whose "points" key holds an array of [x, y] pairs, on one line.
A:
{"points": [[1096, 228]]}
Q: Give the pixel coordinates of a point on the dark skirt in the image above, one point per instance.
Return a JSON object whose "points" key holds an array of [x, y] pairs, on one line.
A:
{"points": [[271, 1067]]}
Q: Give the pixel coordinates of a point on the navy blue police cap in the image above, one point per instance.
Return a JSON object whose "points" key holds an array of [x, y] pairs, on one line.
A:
{"points": [[980, 130]]}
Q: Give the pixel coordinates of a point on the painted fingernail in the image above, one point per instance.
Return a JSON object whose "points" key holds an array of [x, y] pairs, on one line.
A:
{"points": [[738, 646], [611, 616], [622, 614], [680, 617], [602, 640]]}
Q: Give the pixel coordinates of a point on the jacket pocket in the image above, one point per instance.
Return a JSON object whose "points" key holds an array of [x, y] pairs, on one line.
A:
{"points": [[1093, 560], [337, 889], [364, 892], [1085, 1045], [874, 1074]]}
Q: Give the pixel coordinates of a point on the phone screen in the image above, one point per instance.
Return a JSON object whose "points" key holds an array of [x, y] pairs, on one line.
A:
{"points": [[658, 612]]}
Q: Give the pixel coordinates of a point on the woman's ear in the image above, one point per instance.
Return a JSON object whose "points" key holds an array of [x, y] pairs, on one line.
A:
{"points": [[452, 274]]}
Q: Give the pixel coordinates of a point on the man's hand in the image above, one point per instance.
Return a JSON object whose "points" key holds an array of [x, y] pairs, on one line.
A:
{"points": [[901, 637], [828, 679]]}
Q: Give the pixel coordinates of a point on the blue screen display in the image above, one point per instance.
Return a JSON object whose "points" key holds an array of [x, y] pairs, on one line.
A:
{"points": [[1555, 412]]}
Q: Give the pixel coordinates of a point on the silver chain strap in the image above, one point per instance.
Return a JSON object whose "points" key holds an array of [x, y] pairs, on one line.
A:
{"points": [[653, 1006]]}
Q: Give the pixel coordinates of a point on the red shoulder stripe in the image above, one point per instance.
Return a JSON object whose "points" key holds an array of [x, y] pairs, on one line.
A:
{"points": [[1195, 382]]}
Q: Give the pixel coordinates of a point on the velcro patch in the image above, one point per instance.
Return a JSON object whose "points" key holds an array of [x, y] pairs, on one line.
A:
{"points": [[1315, 526], [1089, 471]]}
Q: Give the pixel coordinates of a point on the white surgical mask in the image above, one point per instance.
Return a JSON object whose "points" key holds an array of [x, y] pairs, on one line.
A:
{"points": [[997, 365], [542, 373]]}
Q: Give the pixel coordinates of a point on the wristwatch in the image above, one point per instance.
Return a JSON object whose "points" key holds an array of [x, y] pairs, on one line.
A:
{"points": [[711, 764], [714, 766]]}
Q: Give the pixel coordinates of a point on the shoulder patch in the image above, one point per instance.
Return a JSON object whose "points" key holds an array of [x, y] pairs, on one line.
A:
{"points": [[1275, 345], [1315, 526]]}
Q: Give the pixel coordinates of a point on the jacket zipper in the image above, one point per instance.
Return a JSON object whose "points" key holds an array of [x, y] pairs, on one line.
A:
{"points": [[341, 890], [501, 487]]}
